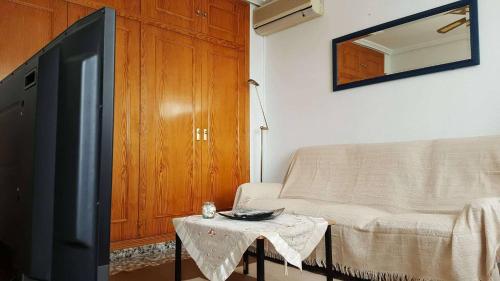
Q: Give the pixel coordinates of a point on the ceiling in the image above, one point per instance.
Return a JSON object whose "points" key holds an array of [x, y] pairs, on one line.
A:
{"points": [[415, 33]]}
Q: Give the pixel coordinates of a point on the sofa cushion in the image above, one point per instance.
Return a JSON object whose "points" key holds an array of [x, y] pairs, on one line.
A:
{"points": [[363, 217], [414, 223]]}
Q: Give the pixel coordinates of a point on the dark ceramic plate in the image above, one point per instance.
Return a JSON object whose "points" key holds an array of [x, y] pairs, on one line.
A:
{"points": [[253, 215]]}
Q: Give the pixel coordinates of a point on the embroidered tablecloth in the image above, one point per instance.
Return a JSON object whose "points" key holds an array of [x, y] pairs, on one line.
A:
{"points": [[217, 245]]}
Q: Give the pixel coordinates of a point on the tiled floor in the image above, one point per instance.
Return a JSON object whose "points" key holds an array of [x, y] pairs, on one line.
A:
{"points": [[156, 262], [165, 272], [141, 257]]}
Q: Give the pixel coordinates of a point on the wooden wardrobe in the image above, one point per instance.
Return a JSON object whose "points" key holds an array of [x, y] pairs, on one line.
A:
{"points": [[181, 102], [356, 62]]}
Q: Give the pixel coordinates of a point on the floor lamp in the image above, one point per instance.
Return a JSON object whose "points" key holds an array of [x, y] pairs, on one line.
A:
{"points": [[262, 128]]}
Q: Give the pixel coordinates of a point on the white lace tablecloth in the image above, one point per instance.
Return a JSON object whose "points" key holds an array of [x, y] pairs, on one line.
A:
{"points": [[217, 245]]}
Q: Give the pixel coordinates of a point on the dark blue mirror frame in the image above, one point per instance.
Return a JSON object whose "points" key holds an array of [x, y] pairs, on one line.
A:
{"points": [[474, 60]]}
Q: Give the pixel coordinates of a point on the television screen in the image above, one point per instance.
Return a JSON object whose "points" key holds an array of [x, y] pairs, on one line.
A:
{"points": [[56, 128]]}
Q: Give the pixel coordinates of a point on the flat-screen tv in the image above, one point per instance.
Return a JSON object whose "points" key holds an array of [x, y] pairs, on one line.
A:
{"points": [[56, 137]]}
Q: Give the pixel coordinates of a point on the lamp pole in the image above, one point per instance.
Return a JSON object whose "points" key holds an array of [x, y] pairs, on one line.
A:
{"points": [[263, 128]]}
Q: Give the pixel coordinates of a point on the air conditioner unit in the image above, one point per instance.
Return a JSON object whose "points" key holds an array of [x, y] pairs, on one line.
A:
{"points": [[281, 14]]}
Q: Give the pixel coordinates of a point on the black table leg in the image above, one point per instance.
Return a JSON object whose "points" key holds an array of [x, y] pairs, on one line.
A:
{"points": [[178, 258], [260, 259], [328, 252], [245, 262]]}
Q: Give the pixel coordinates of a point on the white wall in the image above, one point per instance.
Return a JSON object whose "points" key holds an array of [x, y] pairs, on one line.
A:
{"points": [[257, 66], [303, 110]]}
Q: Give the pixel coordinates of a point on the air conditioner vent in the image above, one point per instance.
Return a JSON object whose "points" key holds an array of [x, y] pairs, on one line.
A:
{"points": [[281, 14]]}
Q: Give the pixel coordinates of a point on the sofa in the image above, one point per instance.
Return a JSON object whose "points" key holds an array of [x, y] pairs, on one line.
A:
{"points": [[420, 210]]}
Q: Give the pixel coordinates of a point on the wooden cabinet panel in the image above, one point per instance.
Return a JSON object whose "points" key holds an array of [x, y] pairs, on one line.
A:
{"points": [[25, 27], [358, 63], [372, 64], [221, 106], [223, 19], [35, 3], [125, 209], [130, 7], [219, 19], [76, 12], [349, 63], [169, 151], [178, 13]]}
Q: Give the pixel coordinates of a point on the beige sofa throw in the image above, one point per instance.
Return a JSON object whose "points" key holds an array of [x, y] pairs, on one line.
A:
{"points": [[447, 177]]}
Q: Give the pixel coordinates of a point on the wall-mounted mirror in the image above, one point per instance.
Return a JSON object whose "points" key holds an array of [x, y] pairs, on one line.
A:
{"points": [[440, 39]]}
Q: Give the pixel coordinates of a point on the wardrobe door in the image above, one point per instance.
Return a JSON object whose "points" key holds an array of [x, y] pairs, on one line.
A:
{"points": [[169, 176], [349, 57], [124, 206], [25, 27], [130, 7], [184, 14], [372, 64], [124, 200], [358, 63], [76, 12], [226, 19], [224, 104]]}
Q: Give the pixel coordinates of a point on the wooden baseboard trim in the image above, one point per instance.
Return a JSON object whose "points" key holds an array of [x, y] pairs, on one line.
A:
{"points": [[119, 245]]}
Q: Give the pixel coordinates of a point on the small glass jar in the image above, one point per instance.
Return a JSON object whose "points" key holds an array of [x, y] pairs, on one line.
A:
{"points": [[208, 210]]}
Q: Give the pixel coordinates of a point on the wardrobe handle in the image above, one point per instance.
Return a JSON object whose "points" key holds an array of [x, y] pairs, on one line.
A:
{"points": [[198, 134], [205, 134], [199, 13], [205, 14]]}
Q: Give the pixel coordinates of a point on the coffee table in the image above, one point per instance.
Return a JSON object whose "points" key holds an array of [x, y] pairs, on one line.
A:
{"points": [[194, 226]]}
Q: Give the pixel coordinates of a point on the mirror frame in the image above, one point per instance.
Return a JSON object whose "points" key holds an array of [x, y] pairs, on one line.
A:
{"points": [[474, 60]]}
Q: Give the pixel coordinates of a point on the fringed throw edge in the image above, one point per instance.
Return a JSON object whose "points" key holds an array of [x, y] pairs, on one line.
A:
{"points": [[353, 272]]}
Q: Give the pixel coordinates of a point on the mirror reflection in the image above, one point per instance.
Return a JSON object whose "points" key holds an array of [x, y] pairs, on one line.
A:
{"points": [[435, 40]]}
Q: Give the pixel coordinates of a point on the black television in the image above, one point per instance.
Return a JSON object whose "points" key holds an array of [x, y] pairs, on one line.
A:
{"points": [[56, 138]]}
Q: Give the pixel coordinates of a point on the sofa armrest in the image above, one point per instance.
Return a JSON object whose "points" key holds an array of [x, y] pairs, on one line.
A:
{"points": [[250, 191]]}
